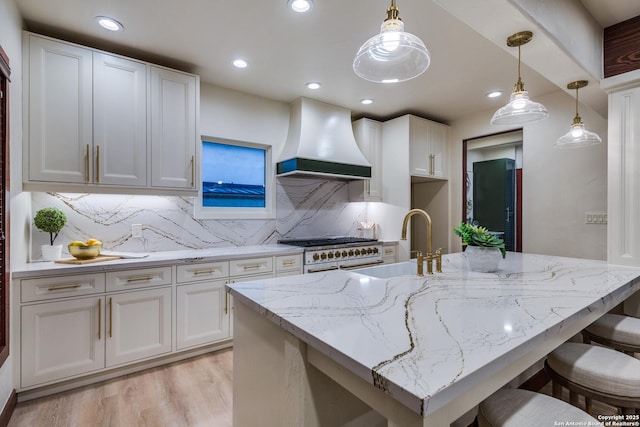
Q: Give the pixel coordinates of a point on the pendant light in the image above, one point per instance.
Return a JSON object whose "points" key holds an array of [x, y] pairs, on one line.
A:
{"points": [[393, 55], [520, 109], [577, 136]]}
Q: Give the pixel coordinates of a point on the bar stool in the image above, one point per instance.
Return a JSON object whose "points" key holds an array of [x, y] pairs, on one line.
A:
{"points": [[523, 408], [595, 372], [615, 331]]}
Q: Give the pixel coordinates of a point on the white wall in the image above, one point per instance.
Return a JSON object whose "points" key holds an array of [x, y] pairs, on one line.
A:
{"points": [[559, 186], [19, 205]]}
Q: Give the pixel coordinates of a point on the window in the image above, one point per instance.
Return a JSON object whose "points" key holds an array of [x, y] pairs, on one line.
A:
{"points": [[236, 180]]}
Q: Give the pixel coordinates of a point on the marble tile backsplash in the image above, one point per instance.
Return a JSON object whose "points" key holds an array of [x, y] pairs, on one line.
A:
{"points": [[304, 208]]}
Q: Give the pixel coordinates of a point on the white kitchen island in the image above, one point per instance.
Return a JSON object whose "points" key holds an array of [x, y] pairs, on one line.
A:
{"points": [[325, 349]]}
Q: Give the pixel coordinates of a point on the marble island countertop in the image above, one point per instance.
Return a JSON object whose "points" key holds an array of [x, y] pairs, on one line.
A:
{"points": [[425, 341], [156, 258]]}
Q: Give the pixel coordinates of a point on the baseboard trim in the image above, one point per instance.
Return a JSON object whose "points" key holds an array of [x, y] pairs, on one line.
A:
{"points": [[7, 411]]}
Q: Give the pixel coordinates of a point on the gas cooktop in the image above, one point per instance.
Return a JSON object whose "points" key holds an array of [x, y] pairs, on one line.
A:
{"points": [[330, 241]]}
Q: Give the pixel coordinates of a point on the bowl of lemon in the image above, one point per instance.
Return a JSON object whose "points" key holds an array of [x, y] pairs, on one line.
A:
{"points": [[85, 250]]}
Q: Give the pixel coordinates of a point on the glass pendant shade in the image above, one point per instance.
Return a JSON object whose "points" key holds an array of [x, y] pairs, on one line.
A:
{"points": [[519, 110], [577, 136], [393, 55]]}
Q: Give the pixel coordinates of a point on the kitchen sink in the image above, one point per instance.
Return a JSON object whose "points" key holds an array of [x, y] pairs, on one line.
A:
{"points": [[389, 270]]}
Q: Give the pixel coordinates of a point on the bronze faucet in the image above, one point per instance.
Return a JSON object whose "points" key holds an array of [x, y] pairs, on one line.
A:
{"points": [[437, 257]]}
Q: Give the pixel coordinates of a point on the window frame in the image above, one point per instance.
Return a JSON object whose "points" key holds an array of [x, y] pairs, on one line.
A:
{"points": [[214, 212]]}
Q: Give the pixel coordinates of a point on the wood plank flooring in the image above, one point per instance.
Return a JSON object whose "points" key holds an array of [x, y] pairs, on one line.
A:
{"points": [[193, 393]]}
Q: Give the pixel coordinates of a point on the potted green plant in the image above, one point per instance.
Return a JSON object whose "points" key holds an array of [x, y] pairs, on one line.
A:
{"points": [[50, 220], [483, 250]]}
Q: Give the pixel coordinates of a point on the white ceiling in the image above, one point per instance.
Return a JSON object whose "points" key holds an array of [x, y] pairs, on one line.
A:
{"points": [[285, 50]]}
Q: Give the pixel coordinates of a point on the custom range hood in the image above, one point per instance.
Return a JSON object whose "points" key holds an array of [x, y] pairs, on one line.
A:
{"points": [[320, 143]]}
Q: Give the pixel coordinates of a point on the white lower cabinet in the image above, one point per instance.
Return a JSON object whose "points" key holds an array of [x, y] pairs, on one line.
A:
{"points": [[139, 325], [61, 339], [202, 313]]}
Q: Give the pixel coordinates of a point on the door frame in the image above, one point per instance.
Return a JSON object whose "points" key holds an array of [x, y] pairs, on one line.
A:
{"points": [[519, 177]]}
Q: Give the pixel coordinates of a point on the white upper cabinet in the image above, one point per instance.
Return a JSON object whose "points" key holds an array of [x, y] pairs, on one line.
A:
{"points": [[428, 148], [173, 128], [119, 120], [59, 105], [368, 135], [95, 121]]}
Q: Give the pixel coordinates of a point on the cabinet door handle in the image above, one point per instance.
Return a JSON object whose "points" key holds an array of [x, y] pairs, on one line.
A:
{"points": [[99, 319], [97, 163], [226, 302], [193, 171], [139, 279], [251, 267], [86, 165], [288, 262], [431, 164], [63, 287], [197, 272], [110, 317]]}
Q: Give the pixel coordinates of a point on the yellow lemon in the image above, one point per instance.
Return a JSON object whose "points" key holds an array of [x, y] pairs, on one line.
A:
{"points": [[93, 242], [76, 243]]}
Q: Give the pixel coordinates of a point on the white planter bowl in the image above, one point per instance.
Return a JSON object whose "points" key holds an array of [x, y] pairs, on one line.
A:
{"points": [[51, 253], [482, 259]]}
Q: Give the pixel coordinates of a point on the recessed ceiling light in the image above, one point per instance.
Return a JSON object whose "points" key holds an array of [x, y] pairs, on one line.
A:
{"points": [[366, 101], [300, 6], [240, 63], [313, 85], [494, 94], [109, 23]]}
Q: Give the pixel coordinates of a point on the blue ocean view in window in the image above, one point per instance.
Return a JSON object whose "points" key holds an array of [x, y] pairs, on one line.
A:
{"points": [[232, 176]]}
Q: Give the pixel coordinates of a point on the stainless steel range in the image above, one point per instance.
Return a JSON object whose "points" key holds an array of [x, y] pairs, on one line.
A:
{"points": [[338, 253]]}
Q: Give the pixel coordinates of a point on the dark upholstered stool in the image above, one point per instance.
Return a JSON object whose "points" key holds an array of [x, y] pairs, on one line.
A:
{"points": [[599, 373], [523, 408], [615, 331]]}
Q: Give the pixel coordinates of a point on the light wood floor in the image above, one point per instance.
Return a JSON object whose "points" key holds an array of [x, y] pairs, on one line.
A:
{"points": [[192, 393], [195, 392]]}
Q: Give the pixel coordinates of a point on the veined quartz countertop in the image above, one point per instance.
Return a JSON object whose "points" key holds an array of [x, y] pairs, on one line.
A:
{"points": [[427, 340], [35, 269]]}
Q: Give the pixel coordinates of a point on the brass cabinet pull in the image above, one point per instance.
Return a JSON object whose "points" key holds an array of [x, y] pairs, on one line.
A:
{"points": [[289, 262], [86, 165], [139, 279], [99, 319], [251, 267], [63, 287], [226, 302], [349, 267], [197, 272], [110, 317], [312, 270], [97, 163], [431, 164], [193, 171]]}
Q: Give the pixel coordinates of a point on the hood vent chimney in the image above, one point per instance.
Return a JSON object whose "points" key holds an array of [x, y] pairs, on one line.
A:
{"points": [[320, 143]]}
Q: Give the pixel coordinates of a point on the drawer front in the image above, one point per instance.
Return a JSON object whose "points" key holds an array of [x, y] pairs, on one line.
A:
{"points": [[139, 278], [244, 267], [202, 271], [45, 288], [289, 262], [389, 251]]}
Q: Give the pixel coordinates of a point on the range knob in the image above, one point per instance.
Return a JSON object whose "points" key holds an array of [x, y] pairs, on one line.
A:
{"points": [[351, 253], [375, 250], [330, 255], [316, 257], [337, 254], [357, 252], [369, 251], [344, 254], [323, 255]]}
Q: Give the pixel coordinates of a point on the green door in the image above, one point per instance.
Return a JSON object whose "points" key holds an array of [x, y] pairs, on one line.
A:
{"points": [[494, 197]]}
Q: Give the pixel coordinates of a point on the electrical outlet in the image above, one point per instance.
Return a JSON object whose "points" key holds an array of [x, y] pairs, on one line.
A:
{"points": [[136, 230], [595, 218]]}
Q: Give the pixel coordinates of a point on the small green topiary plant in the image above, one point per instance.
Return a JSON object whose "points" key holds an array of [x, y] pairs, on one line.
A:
{"points": [[473, 235], [50, 220]]}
